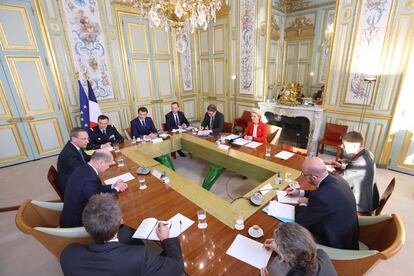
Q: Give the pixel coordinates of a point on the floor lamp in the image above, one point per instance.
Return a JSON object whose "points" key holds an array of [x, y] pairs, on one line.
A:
{"points": [[370, 85]]}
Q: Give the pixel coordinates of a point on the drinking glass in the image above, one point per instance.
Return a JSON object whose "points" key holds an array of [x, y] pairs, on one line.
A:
{"points": [[202, 219], [239, 222], [142, 183], [288, 176], [116, 148], [120, 161], [268, 150]]}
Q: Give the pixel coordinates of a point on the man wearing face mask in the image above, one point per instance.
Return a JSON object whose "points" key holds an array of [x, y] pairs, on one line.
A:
{"points": [[359, 169]]}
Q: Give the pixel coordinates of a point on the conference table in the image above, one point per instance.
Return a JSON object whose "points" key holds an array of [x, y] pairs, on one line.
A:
{"points": [[204, 250]]}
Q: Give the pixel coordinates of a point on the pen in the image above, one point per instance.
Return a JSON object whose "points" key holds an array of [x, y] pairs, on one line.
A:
{"points": [[181, 224]]}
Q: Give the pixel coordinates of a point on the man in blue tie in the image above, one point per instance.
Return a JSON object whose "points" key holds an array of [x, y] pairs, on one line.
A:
{"points": [[72, 156], [143, 126]]}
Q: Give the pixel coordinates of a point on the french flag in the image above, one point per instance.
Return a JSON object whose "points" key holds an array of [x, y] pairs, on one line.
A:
{"points": [[94, 110]]}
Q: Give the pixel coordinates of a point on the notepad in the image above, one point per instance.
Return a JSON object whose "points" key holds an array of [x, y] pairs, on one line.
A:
{"points": [[285, 155], [249, 251], [241, 142], [148, 228], [253, 145], [283, 212], [283, 198], [125, 177], [330, 168]]}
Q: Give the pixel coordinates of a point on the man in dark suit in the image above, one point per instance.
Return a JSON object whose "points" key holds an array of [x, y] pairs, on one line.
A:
{"points": [[330, 214], [84, 183], [213, 120], [72, 156], [176, 119], [103, 135], [359, 171], [143, 126], [109, 255]]}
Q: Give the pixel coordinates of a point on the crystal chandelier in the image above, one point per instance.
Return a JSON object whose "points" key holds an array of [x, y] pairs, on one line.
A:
{"points": [[177, 15]]}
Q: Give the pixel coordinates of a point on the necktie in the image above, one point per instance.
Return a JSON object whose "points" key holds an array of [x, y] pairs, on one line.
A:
{"points": [[81, 153], [177, 122], [143, 123], [103, 131], [211, 122]]}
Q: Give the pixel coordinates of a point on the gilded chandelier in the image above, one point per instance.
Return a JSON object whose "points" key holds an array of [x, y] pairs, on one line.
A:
{"points": [[177, 15]]}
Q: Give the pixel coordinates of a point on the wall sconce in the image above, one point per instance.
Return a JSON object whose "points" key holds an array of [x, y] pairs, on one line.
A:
{"points": [[327, 38]]}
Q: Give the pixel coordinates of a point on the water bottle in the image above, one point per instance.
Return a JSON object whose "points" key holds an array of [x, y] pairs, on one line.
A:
{"points": [[278, 180]]}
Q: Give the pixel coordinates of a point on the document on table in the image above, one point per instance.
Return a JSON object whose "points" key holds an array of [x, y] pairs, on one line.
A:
{"points": [[285, 155], [231, 137], [330, 168], [283, 198], [249, 251], [253, 145], [156, 174], [266, 188], [241, 142], [283, 212], [148, 227], [125, 177]]}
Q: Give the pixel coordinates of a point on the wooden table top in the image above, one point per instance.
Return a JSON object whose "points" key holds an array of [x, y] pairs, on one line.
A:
{"points": [[204, 251]]}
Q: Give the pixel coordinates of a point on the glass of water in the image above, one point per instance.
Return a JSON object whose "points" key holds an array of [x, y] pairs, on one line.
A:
{"points": [[116, 148], [142, 183], [120, 160], [202, 219], [239, 222], [288, 177], [268, 150]]}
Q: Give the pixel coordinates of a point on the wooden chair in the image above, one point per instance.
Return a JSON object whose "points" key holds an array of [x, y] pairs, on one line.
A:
{"points": [[382, 236], [243, 120], [128, 133], [273, 134], [228, 127], [385, 196], [164, 127], [300, 151], [40, 219], [333, 137], [52, 176]]}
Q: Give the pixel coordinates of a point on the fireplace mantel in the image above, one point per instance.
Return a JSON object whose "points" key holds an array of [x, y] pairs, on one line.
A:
{"points": [[314, 115]]}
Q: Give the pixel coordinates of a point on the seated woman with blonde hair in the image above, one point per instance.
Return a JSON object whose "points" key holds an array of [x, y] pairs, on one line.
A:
{"points": [[296, 253], [256, 130]]}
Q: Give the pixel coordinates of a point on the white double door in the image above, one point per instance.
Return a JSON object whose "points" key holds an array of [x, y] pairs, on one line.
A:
{"points": [[31, 120]]}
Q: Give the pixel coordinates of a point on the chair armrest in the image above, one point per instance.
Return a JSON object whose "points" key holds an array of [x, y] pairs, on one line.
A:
{"points": [[55, 206], [344, 254], [369, 220], [74, 232]]}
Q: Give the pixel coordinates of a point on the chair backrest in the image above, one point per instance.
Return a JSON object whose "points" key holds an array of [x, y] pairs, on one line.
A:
{"points": [[296, 150], [385, 196], [51, 177], [334, 132], [164, 126], [228, 127], [30, 216], [273, 134], [128, 133], [243, 120]]}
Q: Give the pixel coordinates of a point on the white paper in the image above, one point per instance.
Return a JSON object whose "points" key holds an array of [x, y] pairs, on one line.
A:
{"points": [[282, 198], [253, 145], [281, 210], [330, 168], [204, 132], [249, 251], [285, 155], [266, 188], [176, 230], [241, 142], [231, 137], [156, 173], [156, 140], [146, 230], [125, 177], [223, 147]]}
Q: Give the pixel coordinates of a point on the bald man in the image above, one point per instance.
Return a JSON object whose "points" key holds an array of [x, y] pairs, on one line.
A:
{"points": [[84, 183], [329, 212]]}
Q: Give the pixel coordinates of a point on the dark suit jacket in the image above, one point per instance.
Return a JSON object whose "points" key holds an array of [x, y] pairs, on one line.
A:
{"points": [[69, 159], [97, 138], [115, 258], [218, 122], [170, 121], [82, 184], [139, 131], [325, 267], [360, 175], [331, 214]]}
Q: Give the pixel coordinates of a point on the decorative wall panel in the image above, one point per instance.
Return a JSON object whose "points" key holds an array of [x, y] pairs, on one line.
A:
{"points": [[186, 67]]}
